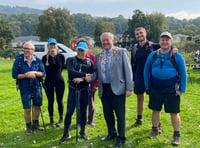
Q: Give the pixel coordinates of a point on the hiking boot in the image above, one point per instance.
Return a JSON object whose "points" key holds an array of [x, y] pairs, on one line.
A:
{"points": [[91, 123], [59, 123], [155, 132], [29, 131], [137, 123], [37, 127], [176, 141], [64, 138], [84, 136]]}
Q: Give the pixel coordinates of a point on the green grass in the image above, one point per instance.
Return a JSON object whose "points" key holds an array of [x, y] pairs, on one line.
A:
{"points": [[12, 124]]}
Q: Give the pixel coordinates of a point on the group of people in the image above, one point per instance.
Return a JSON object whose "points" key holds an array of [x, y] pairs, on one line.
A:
{"points": [[157, 69]]}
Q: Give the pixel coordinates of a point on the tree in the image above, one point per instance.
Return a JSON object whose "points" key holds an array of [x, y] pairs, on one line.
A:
{"points": [[154, 24], [157, 24], [6, 33], [100, 27], [56, 23], [84, 23]]}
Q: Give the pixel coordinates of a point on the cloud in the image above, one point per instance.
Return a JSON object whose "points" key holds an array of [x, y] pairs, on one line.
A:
{"points": [[184, 15]]}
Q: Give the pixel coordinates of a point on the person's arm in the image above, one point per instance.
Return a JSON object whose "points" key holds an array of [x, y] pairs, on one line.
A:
{"points": [[183, 72], [147, 71], [72, 71], [127, 71]]}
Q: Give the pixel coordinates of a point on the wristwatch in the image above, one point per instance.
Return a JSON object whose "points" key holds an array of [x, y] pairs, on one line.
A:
{"points": [[36, 72]]}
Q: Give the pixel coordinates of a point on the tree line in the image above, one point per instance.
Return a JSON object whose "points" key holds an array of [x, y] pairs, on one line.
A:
{"points": [[59, 23]]}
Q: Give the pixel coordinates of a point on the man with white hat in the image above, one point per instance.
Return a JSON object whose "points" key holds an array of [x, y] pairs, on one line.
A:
{"points": [[165, 80]]}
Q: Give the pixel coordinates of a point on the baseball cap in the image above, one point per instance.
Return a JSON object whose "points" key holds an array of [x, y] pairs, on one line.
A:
{"points": [[82, 45], [52, 41], [166, 34]]}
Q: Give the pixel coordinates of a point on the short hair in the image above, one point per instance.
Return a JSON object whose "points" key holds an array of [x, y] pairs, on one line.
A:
{"points": [[30, 44], [107, 33], [139, 28]]}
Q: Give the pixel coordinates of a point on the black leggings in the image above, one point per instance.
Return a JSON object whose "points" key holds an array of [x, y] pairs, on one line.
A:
{"points": [[59, 88]]}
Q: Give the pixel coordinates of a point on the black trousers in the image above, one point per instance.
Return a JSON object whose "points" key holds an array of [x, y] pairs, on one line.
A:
{"points": [[59, 88], [71, 104], [114, 104]]}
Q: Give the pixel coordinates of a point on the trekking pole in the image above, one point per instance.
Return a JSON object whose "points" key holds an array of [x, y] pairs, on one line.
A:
{"points": [[188, 71], [77, 95], [42, 119]]}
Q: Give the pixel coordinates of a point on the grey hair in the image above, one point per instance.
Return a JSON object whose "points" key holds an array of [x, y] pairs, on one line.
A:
{"points": [[107, 33], [30, 43]]}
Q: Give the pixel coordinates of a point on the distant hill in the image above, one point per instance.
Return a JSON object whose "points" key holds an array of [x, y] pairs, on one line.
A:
{"points": [[9, 10]]}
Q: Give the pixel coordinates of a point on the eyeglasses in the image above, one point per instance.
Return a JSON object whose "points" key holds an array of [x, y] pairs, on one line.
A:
{"points": [[25, 48]]}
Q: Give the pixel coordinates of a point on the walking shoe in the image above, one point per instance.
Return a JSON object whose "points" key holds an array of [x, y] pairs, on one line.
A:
{"points": [[52, 123], [137, 123], [29, 131], [155, 132], [59, 123], [37, 127], [64, 138], [176, 141], [84, 136], [91, 123]]}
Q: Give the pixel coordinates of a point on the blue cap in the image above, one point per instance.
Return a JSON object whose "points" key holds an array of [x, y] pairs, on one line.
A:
{"points": [[52, 41], [82, 45]]}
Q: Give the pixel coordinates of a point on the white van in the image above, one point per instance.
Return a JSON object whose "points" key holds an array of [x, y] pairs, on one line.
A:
{"points": [[41, 49]]}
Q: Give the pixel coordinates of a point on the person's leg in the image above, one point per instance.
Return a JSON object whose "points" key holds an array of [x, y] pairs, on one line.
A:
{"points": [[108, 109], [83, 108], [155, 104], [119, 107], [50, 96], [59, 97], [172, 106], [91, 109], [26, 101], [140, 108], [71, 103]]}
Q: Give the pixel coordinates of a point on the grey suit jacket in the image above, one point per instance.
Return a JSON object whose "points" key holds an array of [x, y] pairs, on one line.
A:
{"points": [[120, 73]]}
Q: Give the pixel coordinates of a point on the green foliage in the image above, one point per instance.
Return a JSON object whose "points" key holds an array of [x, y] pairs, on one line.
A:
{"points": [[12, 122], [154, 24], [100, 27], [8, 52], [56, 23], [84, 24], [6, 33]]}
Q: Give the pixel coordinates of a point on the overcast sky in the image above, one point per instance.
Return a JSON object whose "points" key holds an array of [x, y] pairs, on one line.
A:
{"points": [[112, 8]]}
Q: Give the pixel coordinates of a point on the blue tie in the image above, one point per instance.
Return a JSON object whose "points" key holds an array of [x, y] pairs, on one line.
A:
{"points": [[107, 74]]}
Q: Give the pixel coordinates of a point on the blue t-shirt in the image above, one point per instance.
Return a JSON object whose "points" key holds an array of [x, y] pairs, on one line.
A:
{"points": [[163, 73]]}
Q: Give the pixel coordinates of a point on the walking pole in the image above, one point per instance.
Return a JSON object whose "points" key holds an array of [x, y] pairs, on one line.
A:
{"points": [[42, 119], [77, 96]]}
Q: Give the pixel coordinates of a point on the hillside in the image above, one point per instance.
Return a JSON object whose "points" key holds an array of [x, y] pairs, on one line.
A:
{"points": [[9, 10]]}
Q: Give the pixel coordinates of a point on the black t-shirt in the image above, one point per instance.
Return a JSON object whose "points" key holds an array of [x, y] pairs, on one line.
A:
{"points": [[141, 57]]}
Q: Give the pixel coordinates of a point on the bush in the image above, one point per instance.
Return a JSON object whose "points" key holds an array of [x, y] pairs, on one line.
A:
{"points": [[8, 52]]}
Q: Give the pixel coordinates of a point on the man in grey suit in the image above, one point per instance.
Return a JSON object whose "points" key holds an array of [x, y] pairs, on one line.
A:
{"points": [[113, 71]]}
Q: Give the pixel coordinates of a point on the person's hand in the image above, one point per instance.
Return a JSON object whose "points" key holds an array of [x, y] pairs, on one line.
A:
{"points": [[178, 92], [88, 77], [174, 50], [128, 93], [94, 89], [77, 80], [30, 74]]}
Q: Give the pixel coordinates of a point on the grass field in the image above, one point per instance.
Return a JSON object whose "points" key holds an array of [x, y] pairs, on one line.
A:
{"points": [[12, 125]]}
